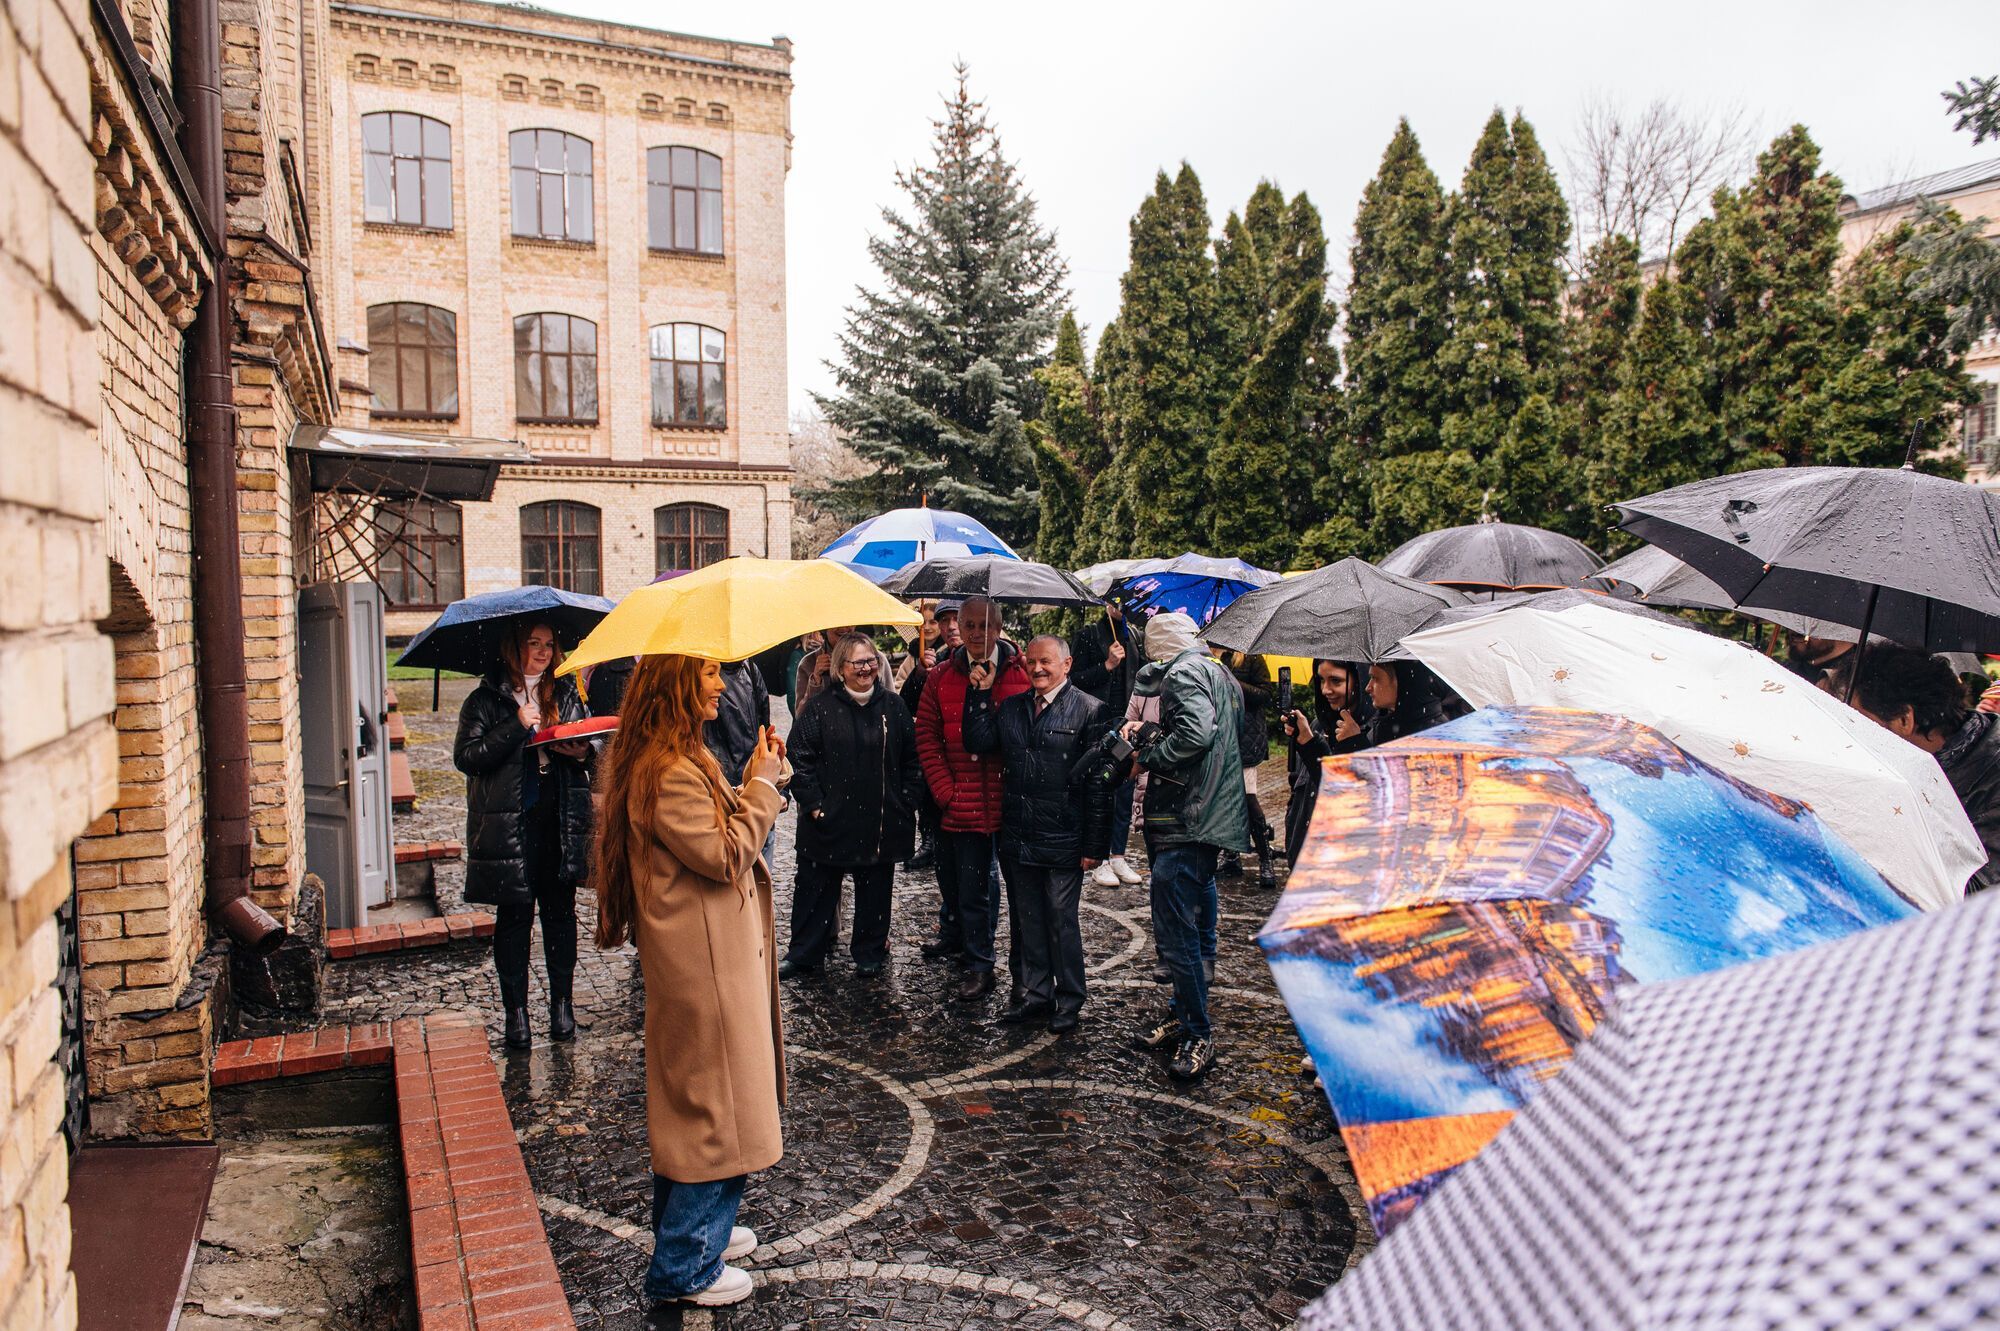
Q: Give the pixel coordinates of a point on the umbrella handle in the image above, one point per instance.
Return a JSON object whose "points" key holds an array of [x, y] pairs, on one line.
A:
{"points": [[437, 677], [1861, 647]]}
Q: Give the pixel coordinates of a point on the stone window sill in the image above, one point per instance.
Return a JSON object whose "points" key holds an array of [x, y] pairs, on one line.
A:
{"points": [[551, 243], [698, 256], [406, 229]]}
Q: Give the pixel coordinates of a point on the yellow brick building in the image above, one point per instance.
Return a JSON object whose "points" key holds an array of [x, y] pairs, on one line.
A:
{"points": [[571, 234]]}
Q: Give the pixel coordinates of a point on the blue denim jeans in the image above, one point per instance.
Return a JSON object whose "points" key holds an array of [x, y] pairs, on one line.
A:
{"points": [[691, 1224], [1206, 918], [1183, 879]]}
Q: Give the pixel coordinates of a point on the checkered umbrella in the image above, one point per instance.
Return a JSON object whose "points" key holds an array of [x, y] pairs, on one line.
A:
{"points": [[1808, 1141]]}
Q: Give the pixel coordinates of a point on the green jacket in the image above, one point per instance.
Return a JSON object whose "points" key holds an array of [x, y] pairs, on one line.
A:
{"points": [[1200, 713]]}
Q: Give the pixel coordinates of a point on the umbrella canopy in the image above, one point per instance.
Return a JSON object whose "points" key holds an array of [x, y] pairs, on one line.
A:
{"points": [[1651, 575], [1734, 708], [1469, 897], [1099, 577], [1349, 611], [1806, 1141], [467, 636], [735, 609], [1563, 599], [1911, 557], [1494, 556], [902, 536], [1198, 586], [1005, 579]]}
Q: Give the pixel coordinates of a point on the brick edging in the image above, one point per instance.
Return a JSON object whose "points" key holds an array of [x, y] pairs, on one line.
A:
{"points": [[479, 1256], [436, 931]]}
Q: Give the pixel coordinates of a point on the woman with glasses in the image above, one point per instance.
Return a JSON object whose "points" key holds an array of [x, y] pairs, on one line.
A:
{"points": [[857, 782]]}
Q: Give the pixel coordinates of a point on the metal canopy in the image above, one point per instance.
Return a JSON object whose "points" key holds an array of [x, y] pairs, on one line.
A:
{"points": [[388, 464]]}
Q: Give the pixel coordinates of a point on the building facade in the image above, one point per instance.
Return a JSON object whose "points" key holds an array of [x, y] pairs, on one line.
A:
{"points": [[570, 234], [1972, 191]]}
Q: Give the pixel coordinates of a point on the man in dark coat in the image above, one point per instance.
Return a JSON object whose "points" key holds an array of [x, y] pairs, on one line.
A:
{"points": [[1041, 735], [1919, 697]]}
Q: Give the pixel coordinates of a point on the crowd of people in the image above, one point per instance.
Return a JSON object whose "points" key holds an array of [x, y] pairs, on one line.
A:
{"points": [[1018, 767]]}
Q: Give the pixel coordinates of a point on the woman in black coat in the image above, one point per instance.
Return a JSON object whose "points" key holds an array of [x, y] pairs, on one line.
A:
{"points": [[1338, 724], [527, 820], [857, 782], [1408, 700]]}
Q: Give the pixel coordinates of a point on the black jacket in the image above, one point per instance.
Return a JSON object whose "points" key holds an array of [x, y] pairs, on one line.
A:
{"points": [[1088, 650], [1971, 762], [1042, 806], [1253, 732], [492, 750], [745, 705], [608, 683], [856, 764], [1306, 775]]}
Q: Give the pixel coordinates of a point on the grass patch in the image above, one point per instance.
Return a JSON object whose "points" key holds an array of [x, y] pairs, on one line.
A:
{"points": [[397, 672]]}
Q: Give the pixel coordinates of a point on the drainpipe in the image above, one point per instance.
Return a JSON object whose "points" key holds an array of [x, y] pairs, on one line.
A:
{"points": [[218, 557]]}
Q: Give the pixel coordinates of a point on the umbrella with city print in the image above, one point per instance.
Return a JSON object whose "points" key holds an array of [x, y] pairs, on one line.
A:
{"points": [[1469, 897]]}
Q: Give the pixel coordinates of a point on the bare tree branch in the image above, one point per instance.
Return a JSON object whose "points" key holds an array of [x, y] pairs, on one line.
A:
{"points": [[1650, 173], [820, 456]]}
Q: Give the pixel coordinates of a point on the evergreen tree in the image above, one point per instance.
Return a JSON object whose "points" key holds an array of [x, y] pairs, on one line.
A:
{"points": [[1956, 261], [1164, 397], [935, 376], [1261, 444], [1068, 447], [1658, 427]]}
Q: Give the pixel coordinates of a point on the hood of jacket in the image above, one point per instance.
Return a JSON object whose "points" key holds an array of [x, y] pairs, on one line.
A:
{"points": [[1168, 635]]}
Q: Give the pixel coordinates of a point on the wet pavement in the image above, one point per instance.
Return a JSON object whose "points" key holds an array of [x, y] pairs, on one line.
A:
{"points": [[941, 1170]]}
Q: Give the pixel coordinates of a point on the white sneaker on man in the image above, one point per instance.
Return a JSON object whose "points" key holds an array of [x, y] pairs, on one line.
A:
{"points": [[742, 1242], [732, 1286], [1126, 874], [1105, 876]]}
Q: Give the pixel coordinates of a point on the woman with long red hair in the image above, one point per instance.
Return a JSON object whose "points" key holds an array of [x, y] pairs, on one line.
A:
{"points": [[678, 874]]}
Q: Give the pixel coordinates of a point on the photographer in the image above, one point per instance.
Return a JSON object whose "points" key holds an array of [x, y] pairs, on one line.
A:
{"points": [[1054, 821], [1338, 724], [1193, 810]]}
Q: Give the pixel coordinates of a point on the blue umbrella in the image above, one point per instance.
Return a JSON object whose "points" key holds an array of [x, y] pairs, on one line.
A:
{"points": [[1198, 586], [466, 637], [903, 536]]}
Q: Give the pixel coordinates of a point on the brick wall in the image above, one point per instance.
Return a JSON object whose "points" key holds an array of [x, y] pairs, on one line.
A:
{"points": [[58, 750]]}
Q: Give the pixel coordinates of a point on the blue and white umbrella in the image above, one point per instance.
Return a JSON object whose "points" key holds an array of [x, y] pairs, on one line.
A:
{"points": [[903, 536], [1198, 586]]}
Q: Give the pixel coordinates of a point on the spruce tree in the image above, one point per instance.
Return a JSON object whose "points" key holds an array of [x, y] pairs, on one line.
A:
{"points": [[1164, 398], [1262, 444], [1068, 447], [1659, 429], [935, 375]]}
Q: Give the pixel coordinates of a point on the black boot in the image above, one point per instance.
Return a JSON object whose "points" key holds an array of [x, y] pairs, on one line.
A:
{"points": [[1267, 877], [518, 1035], [562, 1021], [1230, 865], [926, 856]]}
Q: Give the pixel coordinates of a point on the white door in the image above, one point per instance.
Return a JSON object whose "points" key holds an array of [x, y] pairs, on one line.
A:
{"points": [[326, 742], [367, 645]]}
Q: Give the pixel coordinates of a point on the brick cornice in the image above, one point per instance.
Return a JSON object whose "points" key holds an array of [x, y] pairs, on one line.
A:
{"points": [[654, 470]]}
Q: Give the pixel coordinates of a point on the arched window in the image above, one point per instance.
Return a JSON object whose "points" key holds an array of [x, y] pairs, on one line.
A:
{"points": [[683, 200], [552, 184], [555, 369], [406, 169], [559, 546], [425, 565], [688, 376], [412, 360], [689, 536]]}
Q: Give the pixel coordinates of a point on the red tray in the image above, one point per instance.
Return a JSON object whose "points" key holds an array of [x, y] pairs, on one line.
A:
{"points": [[588, 728]]}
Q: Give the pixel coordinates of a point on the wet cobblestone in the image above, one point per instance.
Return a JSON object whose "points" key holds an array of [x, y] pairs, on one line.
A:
{"points": [[941, 1170]]}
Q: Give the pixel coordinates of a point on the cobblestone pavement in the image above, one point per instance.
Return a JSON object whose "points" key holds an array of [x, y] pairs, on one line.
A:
{"points": [[940, 1170]]}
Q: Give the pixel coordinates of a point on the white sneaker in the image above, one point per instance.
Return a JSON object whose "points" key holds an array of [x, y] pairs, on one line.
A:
{"points": [[1125, 872], [742, 1242], [1105, 876], [732, 1286]]}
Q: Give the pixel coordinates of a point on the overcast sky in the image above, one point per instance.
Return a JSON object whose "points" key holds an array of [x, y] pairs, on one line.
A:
{"points": [[1092, 98]]}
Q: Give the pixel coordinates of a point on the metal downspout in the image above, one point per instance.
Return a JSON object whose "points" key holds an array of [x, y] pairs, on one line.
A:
{"points": [[218, 559]]}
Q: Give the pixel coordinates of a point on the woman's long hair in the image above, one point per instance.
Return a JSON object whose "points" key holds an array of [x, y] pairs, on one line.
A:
{"points": [[514, 650], [659, 723]]}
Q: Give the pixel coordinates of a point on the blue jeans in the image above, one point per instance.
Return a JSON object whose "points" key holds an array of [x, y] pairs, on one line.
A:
{"points": [[691, 1224], [1121, 818], [1183, 879], [1205, 919]]}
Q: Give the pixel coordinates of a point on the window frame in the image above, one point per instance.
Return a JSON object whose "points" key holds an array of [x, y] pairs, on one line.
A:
{"points": [[393, 347], [564, 537], [692, 539], [569, 356], [420, 535], [573, 211], [664, 188], [424, 164], [674, 363]]}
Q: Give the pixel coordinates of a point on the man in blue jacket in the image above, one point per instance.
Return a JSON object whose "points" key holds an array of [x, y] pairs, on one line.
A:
{"points": [[1054, 823]]}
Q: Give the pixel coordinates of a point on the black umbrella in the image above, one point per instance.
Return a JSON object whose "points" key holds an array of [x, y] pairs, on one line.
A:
{"points": [[1887, 551], [467, 635], [1651, 576], [996, 577], [1349, 611], [1494, 556]]}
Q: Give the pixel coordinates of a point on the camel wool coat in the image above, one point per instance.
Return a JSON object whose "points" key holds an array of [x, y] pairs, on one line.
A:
{"points": [[715, 1046]]}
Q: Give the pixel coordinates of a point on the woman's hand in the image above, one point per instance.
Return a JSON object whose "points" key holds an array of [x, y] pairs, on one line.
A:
{"points": [[530, 715], [1346, 727], [1297, 727], [767, 760], [577, 749]]}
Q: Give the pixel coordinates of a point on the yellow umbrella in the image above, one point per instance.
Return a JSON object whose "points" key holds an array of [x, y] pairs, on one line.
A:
{"points": [[736, 609]]}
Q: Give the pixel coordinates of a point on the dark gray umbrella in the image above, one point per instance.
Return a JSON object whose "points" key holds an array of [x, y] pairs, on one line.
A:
{"points": [[1910, 557], [1494, 556], [1349, 611], [1560, 599], [1651, 576], [996, 577]]}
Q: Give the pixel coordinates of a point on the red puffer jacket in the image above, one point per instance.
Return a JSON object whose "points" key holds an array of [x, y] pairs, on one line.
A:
{"points": [[965, 785]]}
